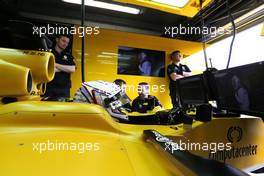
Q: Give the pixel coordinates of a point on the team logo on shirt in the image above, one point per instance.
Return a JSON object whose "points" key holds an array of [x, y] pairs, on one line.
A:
{"points": [[65, 58]]}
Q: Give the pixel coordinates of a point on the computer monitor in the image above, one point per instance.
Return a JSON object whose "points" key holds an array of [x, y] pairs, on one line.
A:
{"points": [[191, 90], [241, 89]]}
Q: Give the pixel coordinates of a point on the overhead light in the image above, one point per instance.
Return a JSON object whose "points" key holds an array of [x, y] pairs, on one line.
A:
{"points": [[109, 53], [104, 56], [240, 22], [262, 31], [175, 3], [249, 15], [106, 5]]}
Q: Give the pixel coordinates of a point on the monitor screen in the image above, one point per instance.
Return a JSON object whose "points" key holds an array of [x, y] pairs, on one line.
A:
{"points": [[241, 89], [191, 90], [143, 62]]}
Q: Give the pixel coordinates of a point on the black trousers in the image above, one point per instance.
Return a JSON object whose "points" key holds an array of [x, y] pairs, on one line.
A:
{"points": [[174, 98], [56, 92]]}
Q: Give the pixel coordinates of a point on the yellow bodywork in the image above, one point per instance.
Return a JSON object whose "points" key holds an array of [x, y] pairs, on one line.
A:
{"points": [[18, 67], [19, 84], [120, 148], [120, 152]]}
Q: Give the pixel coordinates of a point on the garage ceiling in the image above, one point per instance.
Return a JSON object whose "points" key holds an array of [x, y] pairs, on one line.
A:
{"points": [[187, 8], [150, 21]]}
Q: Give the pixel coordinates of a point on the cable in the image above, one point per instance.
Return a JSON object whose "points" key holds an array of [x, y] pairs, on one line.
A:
{"points": [[234, 33], [83, 40], [203, 40]]}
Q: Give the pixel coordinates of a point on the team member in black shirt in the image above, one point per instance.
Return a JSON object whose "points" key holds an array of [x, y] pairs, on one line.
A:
{"points": [[61, 84], [175, 71], [144, 101]]}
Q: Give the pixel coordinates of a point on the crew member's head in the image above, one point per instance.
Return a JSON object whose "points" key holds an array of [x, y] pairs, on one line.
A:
{"points": [[176, 56], [121, 83], [141, 56], [143, 89], [62, 42]]}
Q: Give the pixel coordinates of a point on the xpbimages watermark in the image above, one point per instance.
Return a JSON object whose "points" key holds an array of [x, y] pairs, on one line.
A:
{"points": [[51, 146], [171, 146], [153, 88], [173, 31], [60, 30], [213, 147]]}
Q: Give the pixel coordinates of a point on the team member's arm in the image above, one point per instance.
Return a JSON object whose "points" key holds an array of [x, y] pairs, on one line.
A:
{"points": [[135, 104], [157, 102], [187, 71], [185, 74], [65, 68], [57, 70], [68, 68], [175, 76], [158, 106], [172, 73]]}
